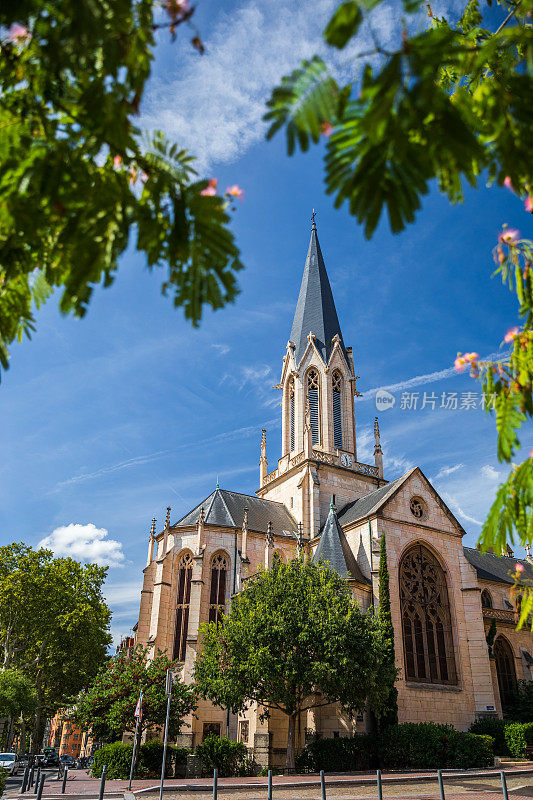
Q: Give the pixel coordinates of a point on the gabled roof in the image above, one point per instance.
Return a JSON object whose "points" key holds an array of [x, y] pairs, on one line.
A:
{"points": [[491, 567], [334, 549], [370, 503], [315, 310], [225, 509]]}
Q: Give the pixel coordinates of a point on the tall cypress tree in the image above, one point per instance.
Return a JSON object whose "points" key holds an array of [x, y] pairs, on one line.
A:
{"points": [[390, 717]]}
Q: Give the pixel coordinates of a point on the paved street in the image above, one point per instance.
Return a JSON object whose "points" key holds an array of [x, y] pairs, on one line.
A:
{"points": [[301, 787]]}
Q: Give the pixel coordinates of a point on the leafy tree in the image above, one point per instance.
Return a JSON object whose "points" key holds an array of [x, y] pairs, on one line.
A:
{"points": [[107, 707], [294, 639], [451, 103], [17, 697], [390, 714], [53, 624], [78, 184]]}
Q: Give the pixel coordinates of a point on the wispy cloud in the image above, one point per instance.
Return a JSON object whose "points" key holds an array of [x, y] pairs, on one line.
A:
{"points": [[445, 471], [420, 380], [456, 508], [259, 379], [223, 349], [85, 542], [129, 462]]}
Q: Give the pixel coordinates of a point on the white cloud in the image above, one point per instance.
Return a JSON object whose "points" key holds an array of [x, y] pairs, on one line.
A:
{"points": [[216, 105], [456, 508], [223, 349], [258, 378], [124, 593], [85, 543], [445, 471], [490, 473], [129, 462], [420, 380]]}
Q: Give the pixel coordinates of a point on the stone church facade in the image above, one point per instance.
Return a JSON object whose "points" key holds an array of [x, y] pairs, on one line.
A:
{"points": [[320, 498]]}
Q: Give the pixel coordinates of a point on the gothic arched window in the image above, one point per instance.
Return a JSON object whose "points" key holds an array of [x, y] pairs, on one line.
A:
{"points": [[217, 596], [291, 413], [486, 599], [182, 606], [337, 409], [426, 619], [505, 670], [314, 404]]}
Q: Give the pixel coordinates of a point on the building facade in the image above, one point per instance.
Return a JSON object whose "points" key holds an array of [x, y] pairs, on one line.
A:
{"points": [[320, 498]]}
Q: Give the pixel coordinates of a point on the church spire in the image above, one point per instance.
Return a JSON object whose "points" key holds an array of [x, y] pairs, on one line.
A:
{"points": [[315, 310]]}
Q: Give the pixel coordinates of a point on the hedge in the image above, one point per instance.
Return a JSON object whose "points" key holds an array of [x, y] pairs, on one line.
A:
{"points": [[495, 727], [3, 776], [340, 754], [425, 745], [518, 736], [219, 752], [117, 758]]}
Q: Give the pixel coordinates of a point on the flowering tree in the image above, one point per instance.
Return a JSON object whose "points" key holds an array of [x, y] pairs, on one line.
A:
{"points": [[107, 707], [449, 103], [77, 183]]}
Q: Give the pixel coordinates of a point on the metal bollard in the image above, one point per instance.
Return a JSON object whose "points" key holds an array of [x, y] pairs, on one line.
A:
{"points": [[30, 781], [25, 778], [504, 786], [102, 783], [41, 787], [441, 785], [322, 785], [269, 784], [65, 776], [380, 787], [37, 780], [215, 784]]}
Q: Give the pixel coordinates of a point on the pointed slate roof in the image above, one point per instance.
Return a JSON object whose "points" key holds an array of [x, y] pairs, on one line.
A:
{"points": [[369, 503], [491, 567], [225, 509], [315, 310], [334, 549]]}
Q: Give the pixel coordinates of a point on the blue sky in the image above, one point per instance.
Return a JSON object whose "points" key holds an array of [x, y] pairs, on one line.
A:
{"points": [[107, 420]]}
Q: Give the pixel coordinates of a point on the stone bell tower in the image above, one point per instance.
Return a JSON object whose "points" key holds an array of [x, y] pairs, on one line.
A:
{"points": [[318, 386]]}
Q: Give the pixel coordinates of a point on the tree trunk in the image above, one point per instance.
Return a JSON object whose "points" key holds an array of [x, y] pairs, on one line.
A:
{"points": [[38, 731], [22, 739], [291, 743]]}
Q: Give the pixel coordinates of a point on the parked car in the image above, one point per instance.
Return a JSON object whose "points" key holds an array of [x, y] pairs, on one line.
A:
{"points": [[66, 760], [51, 760], [10, 763]]}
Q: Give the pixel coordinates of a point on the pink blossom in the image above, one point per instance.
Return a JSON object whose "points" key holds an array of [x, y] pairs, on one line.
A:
{"points": [[507, 183], [235, 191], [18, 33], [463, 360], [327, 129], [519, 568], [511, 334], [509, 236], [531, 453], [117, 161], [528, 205], [211, 189]]}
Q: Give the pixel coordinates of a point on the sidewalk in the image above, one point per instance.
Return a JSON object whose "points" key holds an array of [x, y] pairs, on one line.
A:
{"points": [[474, 785]]}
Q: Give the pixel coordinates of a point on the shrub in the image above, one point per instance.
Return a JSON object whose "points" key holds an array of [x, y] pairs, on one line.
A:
{"points": [[3, 775], [518, 736], [428, 745], [338, 755], [116, 757], [151, 756], [221, 753], [492, 726]]}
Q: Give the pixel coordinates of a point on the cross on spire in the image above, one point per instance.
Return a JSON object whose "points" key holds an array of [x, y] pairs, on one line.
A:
{"points": [[313, 225]]}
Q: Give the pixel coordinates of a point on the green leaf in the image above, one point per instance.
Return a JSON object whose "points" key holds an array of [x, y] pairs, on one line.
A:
{"points": [[344, 24], [306, 99]]}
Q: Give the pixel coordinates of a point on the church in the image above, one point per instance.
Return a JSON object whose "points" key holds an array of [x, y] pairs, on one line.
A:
{"points": [[319, 498]]}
